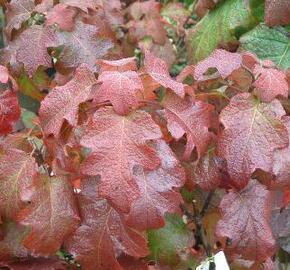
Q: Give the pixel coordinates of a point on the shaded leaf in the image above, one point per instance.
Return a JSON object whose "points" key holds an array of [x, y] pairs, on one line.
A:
{"points": [[118, 144], [253, 131], [121, 65], [277, 12], [103, 233], [245, 221]]}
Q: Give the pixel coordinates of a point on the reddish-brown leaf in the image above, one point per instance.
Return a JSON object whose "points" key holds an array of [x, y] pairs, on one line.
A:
{"points": [[17, 12], [157, 191], [63, 101], [38, 263], [51, 216], [277, 12], [17, 172], [35, 39], [281, 167], [9, 111], [186, 117], [121, 65], [253, 131], [158, 70], [270, 83], [225, 62], [103, 233], [245, 221], [123, 89], [203, 6], [63, 16], [118, 143], [83, 45]]}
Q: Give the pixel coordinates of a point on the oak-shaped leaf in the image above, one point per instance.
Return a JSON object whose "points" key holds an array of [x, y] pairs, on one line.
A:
{"points": [[51, 216], [63, 16], [158, 70], [35, 39], [103, 232], [225, 63], [157, 191], [83, 45], [281, 166], [191, 118], [253, 131], [63, 101], [17, 12], [246, 222], [123, 89], [9, 111], [17, 172], [277, 12], [270, 83], [118, 143]]}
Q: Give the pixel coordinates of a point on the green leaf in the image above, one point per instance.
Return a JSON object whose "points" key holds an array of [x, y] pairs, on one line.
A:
{"points": [[27, 118], [220, 27], [168, 242], [269, 43]]}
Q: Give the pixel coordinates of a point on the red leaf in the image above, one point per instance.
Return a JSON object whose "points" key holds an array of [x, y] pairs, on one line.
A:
{"points": [[281, 166], [277, 12], [17, 172], [245, 221], [103, 233], [17, 12], [52, 215], [158, 70], [37, 264], [63, 101], [121, 65], [123, 89], [9, 111], [193, 119], [270, 83], [118, 143], [253, 131], [83, 45], [35, 39], [157, 191], [225, 62], [62, 15]]}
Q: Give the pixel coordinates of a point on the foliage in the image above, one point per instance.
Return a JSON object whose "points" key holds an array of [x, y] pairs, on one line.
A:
{"points": [[109, 160]]}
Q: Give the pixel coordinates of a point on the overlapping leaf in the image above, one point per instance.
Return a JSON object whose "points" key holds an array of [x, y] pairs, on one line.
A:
{"points": [[118, 143], [103, 233], [246, 222], [253, 131], [63, 101], [157, 194], [277, 12], [193, 119], [50, 217]]}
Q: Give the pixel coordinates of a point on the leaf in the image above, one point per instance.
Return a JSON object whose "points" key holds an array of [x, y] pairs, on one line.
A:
{"points": [[83, 5], [158, 71], [17, 172], [225, 62], [157, 188], [245, 221], [121, 65], [9, 111], [4, 74], [35, 39], [270, 83], [203, 6], [50, 216], [193, 119], [63, 16], [220, 27], [38, 263], [276, 41], [281, 165], [167, 244], [83, 45], [277, 12], [118, 143], [62, 103], [123, 89], [253, 131], [103, 233], [17, 12]]}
